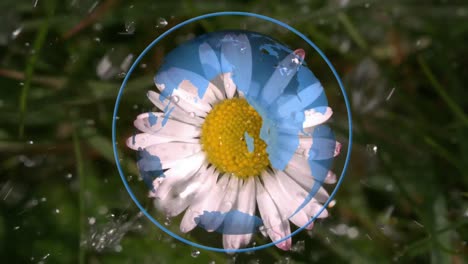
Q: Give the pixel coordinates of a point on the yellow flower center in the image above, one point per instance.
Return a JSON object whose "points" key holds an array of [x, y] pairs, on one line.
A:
{"points": [[231, 139]]}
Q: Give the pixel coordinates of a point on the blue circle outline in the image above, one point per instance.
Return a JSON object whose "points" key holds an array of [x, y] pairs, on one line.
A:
{"points": [[137, 61]]}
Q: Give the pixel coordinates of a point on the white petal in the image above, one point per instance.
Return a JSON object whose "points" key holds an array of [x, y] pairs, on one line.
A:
{"points": [[213, 94], [209, 203], [331, 178], [209, 61], [224, 83], [185, 192], [165, 126], [180, 112], [231, 195], [189, 93], [236, 59], [314, 118], [285, 199], [229, 85], [185, 168], [298, 169], [245, 204], [275, 224], [144, 140], [297, 197], [186, 92], [282, 75], [189, 101], [305, 144], [170, 153]]}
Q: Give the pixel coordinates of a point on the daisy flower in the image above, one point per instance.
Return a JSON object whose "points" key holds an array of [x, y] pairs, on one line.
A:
{"points": [[237, 142]]}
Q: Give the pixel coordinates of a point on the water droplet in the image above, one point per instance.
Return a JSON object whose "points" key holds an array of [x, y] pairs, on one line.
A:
{"points": [[27, 44], [103, 210], [35, 3], [127, 61], [371, 149], [175, 98], [93, 6], [97, 27], [345, 45], [16, 227], [118, 248], [129, 27], [299, 246], [352, 232], [97, 39], [31, 203], [122, 74], [284, 70], [161, 23], [389, 187], [418, 224], [91, 220], [167, 221], [27, 161], [43, 199], [30, 142], [16, 32], [57, 211], [195, 253], [143, 66], [68, 176], [367, 5], [423, 42], [390, 94], [340, 229], [90, 122]]}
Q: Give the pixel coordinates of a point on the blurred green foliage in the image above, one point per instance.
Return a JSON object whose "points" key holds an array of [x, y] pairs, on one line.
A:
{"points": [[404, 64]]}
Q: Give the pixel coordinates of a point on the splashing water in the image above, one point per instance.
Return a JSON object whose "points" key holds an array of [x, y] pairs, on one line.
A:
{"points": [[371, 149], [195, 253], [104, 237], [161, 23]]}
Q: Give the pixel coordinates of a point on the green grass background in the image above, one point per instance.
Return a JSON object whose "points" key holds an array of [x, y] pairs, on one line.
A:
{"points": [[405, 68]]}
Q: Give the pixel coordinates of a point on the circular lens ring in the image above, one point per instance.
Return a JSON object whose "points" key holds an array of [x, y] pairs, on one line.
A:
{"points": [[127, 77]]}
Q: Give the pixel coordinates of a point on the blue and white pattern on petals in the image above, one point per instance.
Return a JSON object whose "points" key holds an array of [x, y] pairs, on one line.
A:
{"points": [[293, 106]]}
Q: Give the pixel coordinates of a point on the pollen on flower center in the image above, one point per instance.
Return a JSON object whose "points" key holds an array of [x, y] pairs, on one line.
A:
{"points": [[231, 138]]}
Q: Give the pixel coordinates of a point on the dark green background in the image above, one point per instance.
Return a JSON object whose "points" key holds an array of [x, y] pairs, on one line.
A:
{"points": [[405, 68]]}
